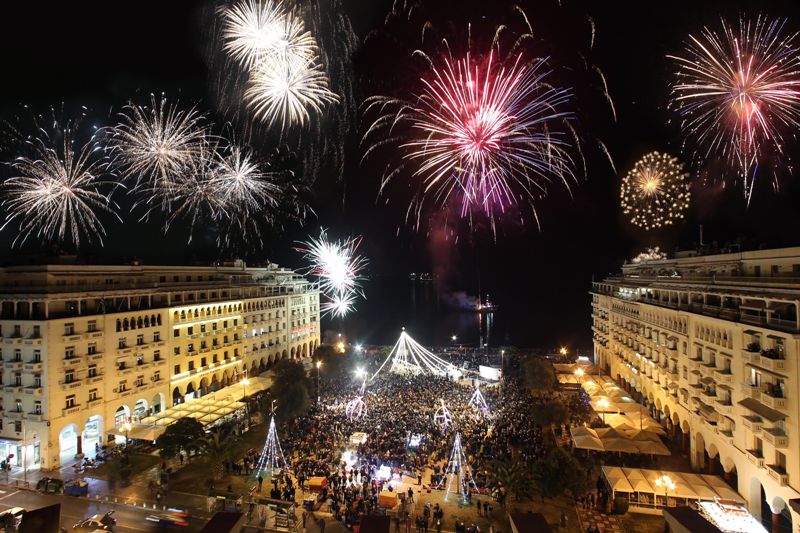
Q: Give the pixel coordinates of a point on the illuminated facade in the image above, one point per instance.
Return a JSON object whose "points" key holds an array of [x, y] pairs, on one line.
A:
{"points": [[710, 345], [86, 349]]}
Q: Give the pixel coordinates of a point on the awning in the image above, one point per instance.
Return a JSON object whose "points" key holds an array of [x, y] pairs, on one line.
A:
{"points": [[762, 410]]}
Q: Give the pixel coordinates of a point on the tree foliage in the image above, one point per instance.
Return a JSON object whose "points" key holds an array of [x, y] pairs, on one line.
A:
{"points": [[550, 413], [184, 435], [538, 374], [217, 448], [514, 476], [557, 473], [290, 389]]}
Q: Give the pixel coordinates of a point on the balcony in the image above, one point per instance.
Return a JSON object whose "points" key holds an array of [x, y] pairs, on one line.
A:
{"points": [[753, 423], [723, 406], [775, 402], [97, 356], [756, 457], [14, 364], [71, 362], [775, 436], [34, 390], [15, 415], [33, 366], [776, 364], [94, 379], [70, 410], [13, 388], [35, 417], [69, 385], [778, 473], [723, 376], [96, 334], [92, 403], [750, 390], [72, 337]]}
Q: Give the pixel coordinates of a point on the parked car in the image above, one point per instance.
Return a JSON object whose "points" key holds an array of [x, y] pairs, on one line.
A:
{"points": [[76, 487], [50, 485], [98, 522]]}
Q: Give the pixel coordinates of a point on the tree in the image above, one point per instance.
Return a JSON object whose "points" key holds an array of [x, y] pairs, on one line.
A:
{"points": [[184, 434], [550, 413], [216, 449], [558, 472], [290, 389], [514, 476], [538, 374]]}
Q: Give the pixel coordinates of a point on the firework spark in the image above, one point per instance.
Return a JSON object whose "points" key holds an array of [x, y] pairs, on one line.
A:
{"points": [[655, 192], [157, 145], [738, 92], [240, 183], [339, 268], [488, 137], [256, 31], [56, 192], [283, 93]]}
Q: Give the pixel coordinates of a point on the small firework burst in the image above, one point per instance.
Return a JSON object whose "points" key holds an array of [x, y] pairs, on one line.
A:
{"points": [[656, 191]]}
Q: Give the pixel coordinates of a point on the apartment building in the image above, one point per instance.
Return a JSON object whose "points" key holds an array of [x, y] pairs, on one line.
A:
{"points": [[710, 345], [85, 349]]}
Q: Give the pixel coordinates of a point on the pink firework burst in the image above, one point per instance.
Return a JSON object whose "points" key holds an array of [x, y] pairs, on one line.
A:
{"points": [[487, 136], [738, 91]]}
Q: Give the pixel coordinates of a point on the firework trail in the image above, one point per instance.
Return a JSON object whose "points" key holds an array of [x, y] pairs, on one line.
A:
{"points": [[656, 191], [738, 93]]}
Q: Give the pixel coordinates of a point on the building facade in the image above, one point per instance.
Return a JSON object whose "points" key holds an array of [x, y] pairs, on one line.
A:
{"points": [[710, 345], [86, 349]]}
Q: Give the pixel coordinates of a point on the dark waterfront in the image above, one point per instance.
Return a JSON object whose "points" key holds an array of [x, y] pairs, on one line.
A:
{"points": [[433, 318]]}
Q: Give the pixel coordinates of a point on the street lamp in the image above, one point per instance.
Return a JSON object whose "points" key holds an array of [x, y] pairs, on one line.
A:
{"points": [[667, 484], [319, 364], [579, 372], [562, 351], [603, 403], [245, 383], [127, 427]]}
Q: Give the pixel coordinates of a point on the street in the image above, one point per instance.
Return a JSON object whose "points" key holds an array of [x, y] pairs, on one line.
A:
{"points": [[129, 519]]}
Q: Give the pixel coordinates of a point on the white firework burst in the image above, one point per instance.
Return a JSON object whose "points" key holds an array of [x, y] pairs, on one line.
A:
{"points": [[240, 183], [257, 31], [157, 145], [340, 304], [56, 192], [284, 93]]}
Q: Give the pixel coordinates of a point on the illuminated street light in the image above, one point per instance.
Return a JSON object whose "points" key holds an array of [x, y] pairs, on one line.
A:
{"points": [[562, 351], [126, 427], [667, 484], [579, 372], [319, 364]]}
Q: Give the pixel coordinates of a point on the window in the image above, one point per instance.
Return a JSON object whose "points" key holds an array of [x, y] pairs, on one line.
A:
{"points": [[17, 379], [70, 401], [177, 369], [214, 326], [139, 381], [37, 332], [203, 361], [235, 321], [18, 426], [92, 348], [190, 348], [17, 355], [37, 380], [17, 331], [91, 326], [214, 358], [122, 342], [190, 330], [18, 406], [69, 329], [121, 365], [156, 336], [202, 328], [191, 366], [176, 332], [92, 395], [139, 340], [92, 371], [69, 376], [224, 323], [37, 407], [177, 350], [157, 355], [122, 386], [156, 376]]}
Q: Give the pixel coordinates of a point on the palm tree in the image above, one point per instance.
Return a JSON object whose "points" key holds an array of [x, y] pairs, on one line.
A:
{"points": [[217, 448], [514, 477]]}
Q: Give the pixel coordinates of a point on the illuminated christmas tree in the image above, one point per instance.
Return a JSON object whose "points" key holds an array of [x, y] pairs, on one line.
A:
{"points": [[271, 458], [458, 469]]}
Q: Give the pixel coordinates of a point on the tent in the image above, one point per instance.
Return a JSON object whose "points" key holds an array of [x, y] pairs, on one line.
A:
{"points": [[578, 431], [620, 445], [651, 447], [588, 442]]}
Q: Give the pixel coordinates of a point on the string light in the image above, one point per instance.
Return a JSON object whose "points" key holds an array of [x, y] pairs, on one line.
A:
{"points": [[410, 357], [457, 468], [271, 458]]}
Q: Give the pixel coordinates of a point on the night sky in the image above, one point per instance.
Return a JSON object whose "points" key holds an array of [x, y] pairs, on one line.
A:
{"points": [[102, 54]]}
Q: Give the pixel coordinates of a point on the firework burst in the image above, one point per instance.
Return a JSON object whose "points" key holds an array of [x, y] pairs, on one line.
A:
{"points": [[656, 192], [486, 136], [738, 93], [339, 268], [157, 145], [56, 192]]}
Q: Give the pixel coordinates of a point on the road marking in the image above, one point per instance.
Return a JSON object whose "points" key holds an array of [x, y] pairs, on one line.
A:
{"points": [[9, 495]]}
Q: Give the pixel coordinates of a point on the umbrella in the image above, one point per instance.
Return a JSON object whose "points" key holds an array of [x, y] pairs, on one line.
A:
{"points": [[588, 442], [620, 445], [642, 435], [609, 433], [578, 431], [651, 448]]}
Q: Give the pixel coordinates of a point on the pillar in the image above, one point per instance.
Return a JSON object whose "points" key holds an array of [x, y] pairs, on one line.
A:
{"points": [[710, 465], [776, 522], [79, 453], [685, 443]]}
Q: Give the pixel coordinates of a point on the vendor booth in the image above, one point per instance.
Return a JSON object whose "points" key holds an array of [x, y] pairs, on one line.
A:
{"points": [[316, 484]]}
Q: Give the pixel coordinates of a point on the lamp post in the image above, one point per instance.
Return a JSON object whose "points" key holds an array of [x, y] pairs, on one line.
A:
{"points": [[127, 427], [579, 373], [246, 382], [667, 484], [319, 364], [603, 403]]}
